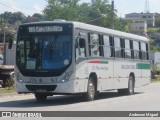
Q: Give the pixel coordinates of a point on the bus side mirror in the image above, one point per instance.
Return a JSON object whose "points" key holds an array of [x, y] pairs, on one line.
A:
{"points": [[10, 44], [82, 43]]}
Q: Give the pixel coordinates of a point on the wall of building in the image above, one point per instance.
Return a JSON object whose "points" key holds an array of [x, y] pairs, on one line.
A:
{"points": [[139, 25], [149, 17], [9, 54]]}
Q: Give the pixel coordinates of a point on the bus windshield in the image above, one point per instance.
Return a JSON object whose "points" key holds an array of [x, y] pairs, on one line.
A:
{"points": [[44, 53]]}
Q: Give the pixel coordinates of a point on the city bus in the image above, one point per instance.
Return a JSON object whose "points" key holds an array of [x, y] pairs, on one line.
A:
{"points": [[67, 57]]}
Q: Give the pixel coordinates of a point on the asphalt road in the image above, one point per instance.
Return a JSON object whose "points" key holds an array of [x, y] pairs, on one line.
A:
{"points": [[146, 98]]}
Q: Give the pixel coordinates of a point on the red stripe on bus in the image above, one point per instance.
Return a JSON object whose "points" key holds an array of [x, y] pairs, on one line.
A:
{"points": [[96, 62]]}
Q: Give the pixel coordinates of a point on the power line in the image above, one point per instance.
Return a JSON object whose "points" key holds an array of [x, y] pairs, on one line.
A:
{"points": [[99, 17], [12, 8]]}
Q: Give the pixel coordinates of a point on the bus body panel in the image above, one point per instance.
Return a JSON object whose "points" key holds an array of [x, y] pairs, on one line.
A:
{"points": [[111, 73], [71, 86]]}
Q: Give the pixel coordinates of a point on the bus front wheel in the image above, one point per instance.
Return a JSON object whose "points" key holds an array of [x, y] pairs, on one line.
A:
{"points": [[40, 97], [91, 91]]}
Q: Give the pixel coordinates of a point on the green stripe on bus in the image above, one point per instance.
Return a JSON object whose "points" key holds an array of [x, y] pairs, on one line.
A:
{"points": [[104, 62], [142, 66]]}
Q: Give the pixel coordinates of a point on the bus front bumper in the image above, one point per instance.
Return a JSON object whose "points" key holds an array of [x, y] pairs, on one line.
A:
{"points": [[69, 87]]}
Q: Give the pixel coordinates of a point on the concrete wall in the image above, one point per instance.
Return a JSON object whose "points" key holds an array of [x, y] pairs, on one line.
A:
{"points": [[9, 55]]}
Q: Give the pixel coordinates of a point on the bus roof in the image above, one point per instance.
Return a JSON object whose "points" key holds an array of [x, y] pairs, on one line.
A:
{"points": [[109, 31], [89, 27]]}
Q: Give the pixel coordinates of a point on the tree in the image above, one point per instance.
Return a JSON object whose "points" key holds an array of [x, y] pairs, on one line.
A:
{"points": [[9, 36], [122, 25], [8, 23], [100, 9], [62, 9], [40, 17], [18, 16], [96, 12], [12, 18], [83, 12]]}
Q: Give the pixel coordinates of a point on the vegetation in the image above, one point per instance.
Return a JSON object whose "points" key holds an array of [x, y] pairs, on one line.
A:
{"points": [[156, 79], [152, 30], [6, 90], [154, 49], [9, 23], [156, 68], [96, 12]]}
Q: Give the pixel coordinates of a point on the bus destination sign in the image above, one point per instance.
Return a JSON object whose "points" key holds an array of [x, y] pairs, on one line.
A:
{"points": [[45, 29]]}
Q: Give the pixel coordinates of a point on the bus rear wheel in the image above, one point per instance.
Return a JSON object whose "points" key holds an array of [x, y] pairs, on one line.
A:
{"points": [[130, 89], [40, 97], [91, 91]]}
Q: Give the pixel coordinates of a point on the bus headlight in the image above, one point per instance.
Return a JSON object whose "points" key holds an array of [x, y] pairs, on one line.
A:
{"points": [[66, 77], [18, 78]]}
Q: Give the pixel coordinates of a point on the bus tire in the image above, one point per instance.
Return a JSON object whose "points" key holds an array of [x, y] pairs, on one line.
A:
{"points": [[91, 91], [40, 97], [130, 89]]}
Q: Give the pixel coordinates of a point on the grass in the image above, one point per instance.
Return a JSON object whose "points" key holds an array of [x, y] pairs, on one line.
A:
{"points": [[157, 79], [7, 90]]}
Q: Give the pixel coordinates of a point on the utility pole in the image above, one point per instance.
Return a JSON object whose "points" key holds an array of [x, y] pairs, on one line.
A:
{"points": [[4, 40], [113, 14]]}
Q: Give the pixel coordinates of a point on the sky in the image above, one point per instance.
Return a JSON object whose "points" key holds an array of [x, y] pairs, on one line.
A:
{"points": [[29, 7]]}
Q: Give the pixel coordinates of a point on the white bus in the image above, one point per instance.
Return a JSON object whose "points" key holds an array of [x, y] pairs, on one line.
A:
{"points": [[62, 57]]}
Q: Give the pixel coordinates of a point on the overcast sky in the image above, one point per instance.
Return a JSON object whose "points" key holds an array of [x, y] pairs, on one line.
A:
{"points": [[28, 7]]}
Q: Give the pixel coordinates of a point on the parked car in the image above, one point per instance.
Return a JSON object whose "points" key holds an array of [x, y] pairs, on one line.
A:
{"points": [[6, 75]]}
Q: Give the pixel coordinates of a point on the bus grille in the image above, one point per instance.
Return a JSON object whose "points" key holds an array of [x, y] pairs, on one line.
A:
{"points": [[41, 87]]}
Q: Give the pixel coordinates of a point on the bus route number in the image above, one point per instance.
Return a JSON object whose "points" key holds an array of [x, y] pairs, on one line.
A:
{"points": [[33, 80]]}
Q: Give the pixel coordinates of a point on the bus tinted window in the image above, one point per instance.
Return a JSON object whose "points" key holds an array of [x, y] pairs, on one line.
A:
{"points": [[107, 49], [94, 45], [144, 51], [80, 48], [106, 41], [136, 50], [127, 49], [117, 45]]}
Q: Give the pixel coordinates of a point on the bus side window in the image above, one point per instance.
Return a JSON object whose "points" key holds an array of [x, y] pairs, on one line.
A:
{"points": [[127, 48], [117, 47], [144, 51], [122, 48], [136, 50], [132, 51], [94, 45], [111, 40], [107, 46], [80, 48]]}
